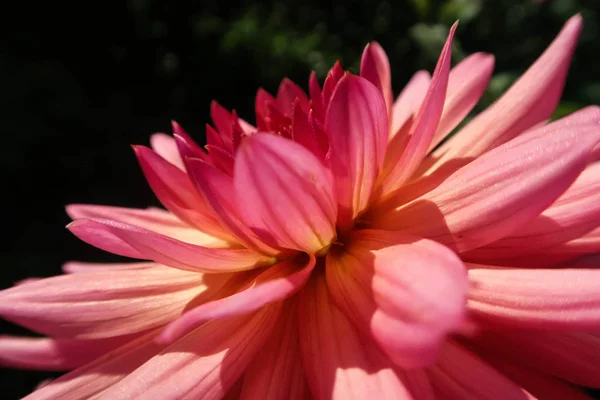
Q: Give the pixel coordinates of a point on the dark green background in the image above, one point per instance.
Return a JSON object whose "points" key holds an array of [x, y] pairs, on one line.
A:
{"points": [[81, 81]]}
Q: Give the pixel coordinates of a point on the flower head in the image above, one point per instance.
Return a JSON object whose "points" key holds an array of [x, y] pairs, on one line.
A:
{"points": [[342, 249]]}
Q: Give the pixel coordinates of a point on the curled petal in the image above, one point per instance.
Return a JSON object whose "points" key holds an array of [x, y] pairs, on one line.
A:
{"points": [[375, 67], [536, 298], [275, 284], [131, 241], [356, 123], [338, 363], [204, 364], [287, 193]]}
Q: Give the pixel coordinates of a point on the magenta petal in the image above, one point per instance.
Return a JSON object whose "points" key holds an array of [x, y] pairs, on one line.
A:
{"points": [[185, 144], [425, 123], [356, 123], [223, 121], [287, 94], [315, 96], [375, 67], [131, 241], [275, 284], [221, 159], [286, 192]]}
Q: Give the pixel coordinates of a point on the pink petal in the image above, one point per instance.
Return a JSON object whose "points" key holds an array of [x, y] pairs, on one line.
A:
{"points": [[573, 357], [223, 121], [304, 134], [461, 375], [339, 364], [529, 101], [185, 144], [55, 354], [500, 191], [221, 159], [165, 146], [315, 96], [213, 138], [277, 373], [356, 123], [426, 122], [263, 104], [175, 191], [131, 241], [153, 219], [287, 94], [202, 365], [275, 284], [409, 100], [408, 296], [333, 77], [375, 67], [91, 379], [466, 84], [572, 215], [102, 304], [219, 193], [77, 267], [286, 192], [536, 298]]}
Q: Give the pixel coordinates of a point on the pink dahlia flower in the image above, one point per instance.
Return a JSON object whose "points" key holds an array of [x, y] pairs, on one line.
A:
{"points": [[341, 249]]}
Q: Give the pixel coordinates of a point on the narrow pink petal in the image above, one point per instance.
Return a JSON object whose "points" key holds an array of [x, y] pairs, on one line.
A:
{"points": [[356, 123], [375, 67], [333, 77], [263, 104], [395, 294], [287, 94], [461, 375], [77, 267], [185, 144], [91, 379], [304, 134], [55, 354], [213, 138], [540, 385], [529, 101], [573, 357], [219, 193], [277, 373], [535, 298], [574, 213], [500, 191], [102, 304], [204, 364], [131, 241], [222, 159], [425, 122], [339, 364], [223, 122], [166, 147], [286, 192], [409, 100], [466, 84], [176, 192], [153, 219], [315, 96], [275, 284]]}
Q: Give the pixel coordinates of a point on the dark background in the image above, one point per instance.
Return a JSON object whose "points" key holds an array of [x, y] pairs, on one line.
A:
{"points": [[81, 82]]}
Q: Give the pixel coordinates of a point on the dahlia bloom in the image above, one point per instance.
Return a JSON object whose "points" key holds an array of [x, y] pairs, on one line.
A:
{"points": [[341, 249]]}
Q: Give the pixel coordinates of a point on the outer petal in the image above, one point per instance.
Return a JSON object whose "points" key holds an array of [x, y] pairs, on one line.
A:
{"points": [[277, 373], [408, 296], [91, 379], [166, 147], [287, 193], [338, 364], [224, 123], [460, 375], [153, 219], [131, 241], [573, 214], [573, 357], [356, 123], [275, 284], [531, 100], [409, 100], [103, 304], [500, 191], [202, 365], [77, 267], [375, 67], [287, 94], [466, 84], [426, 123], [536, 298]]}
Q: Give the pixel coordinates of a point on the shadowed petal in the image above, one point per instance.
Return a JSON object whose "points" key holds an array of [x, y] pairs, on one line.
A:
{"points": [[409, 100], [338, 363], [535, 298], [131, 241], [286, 192], [204, 364], [356, 123]]}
